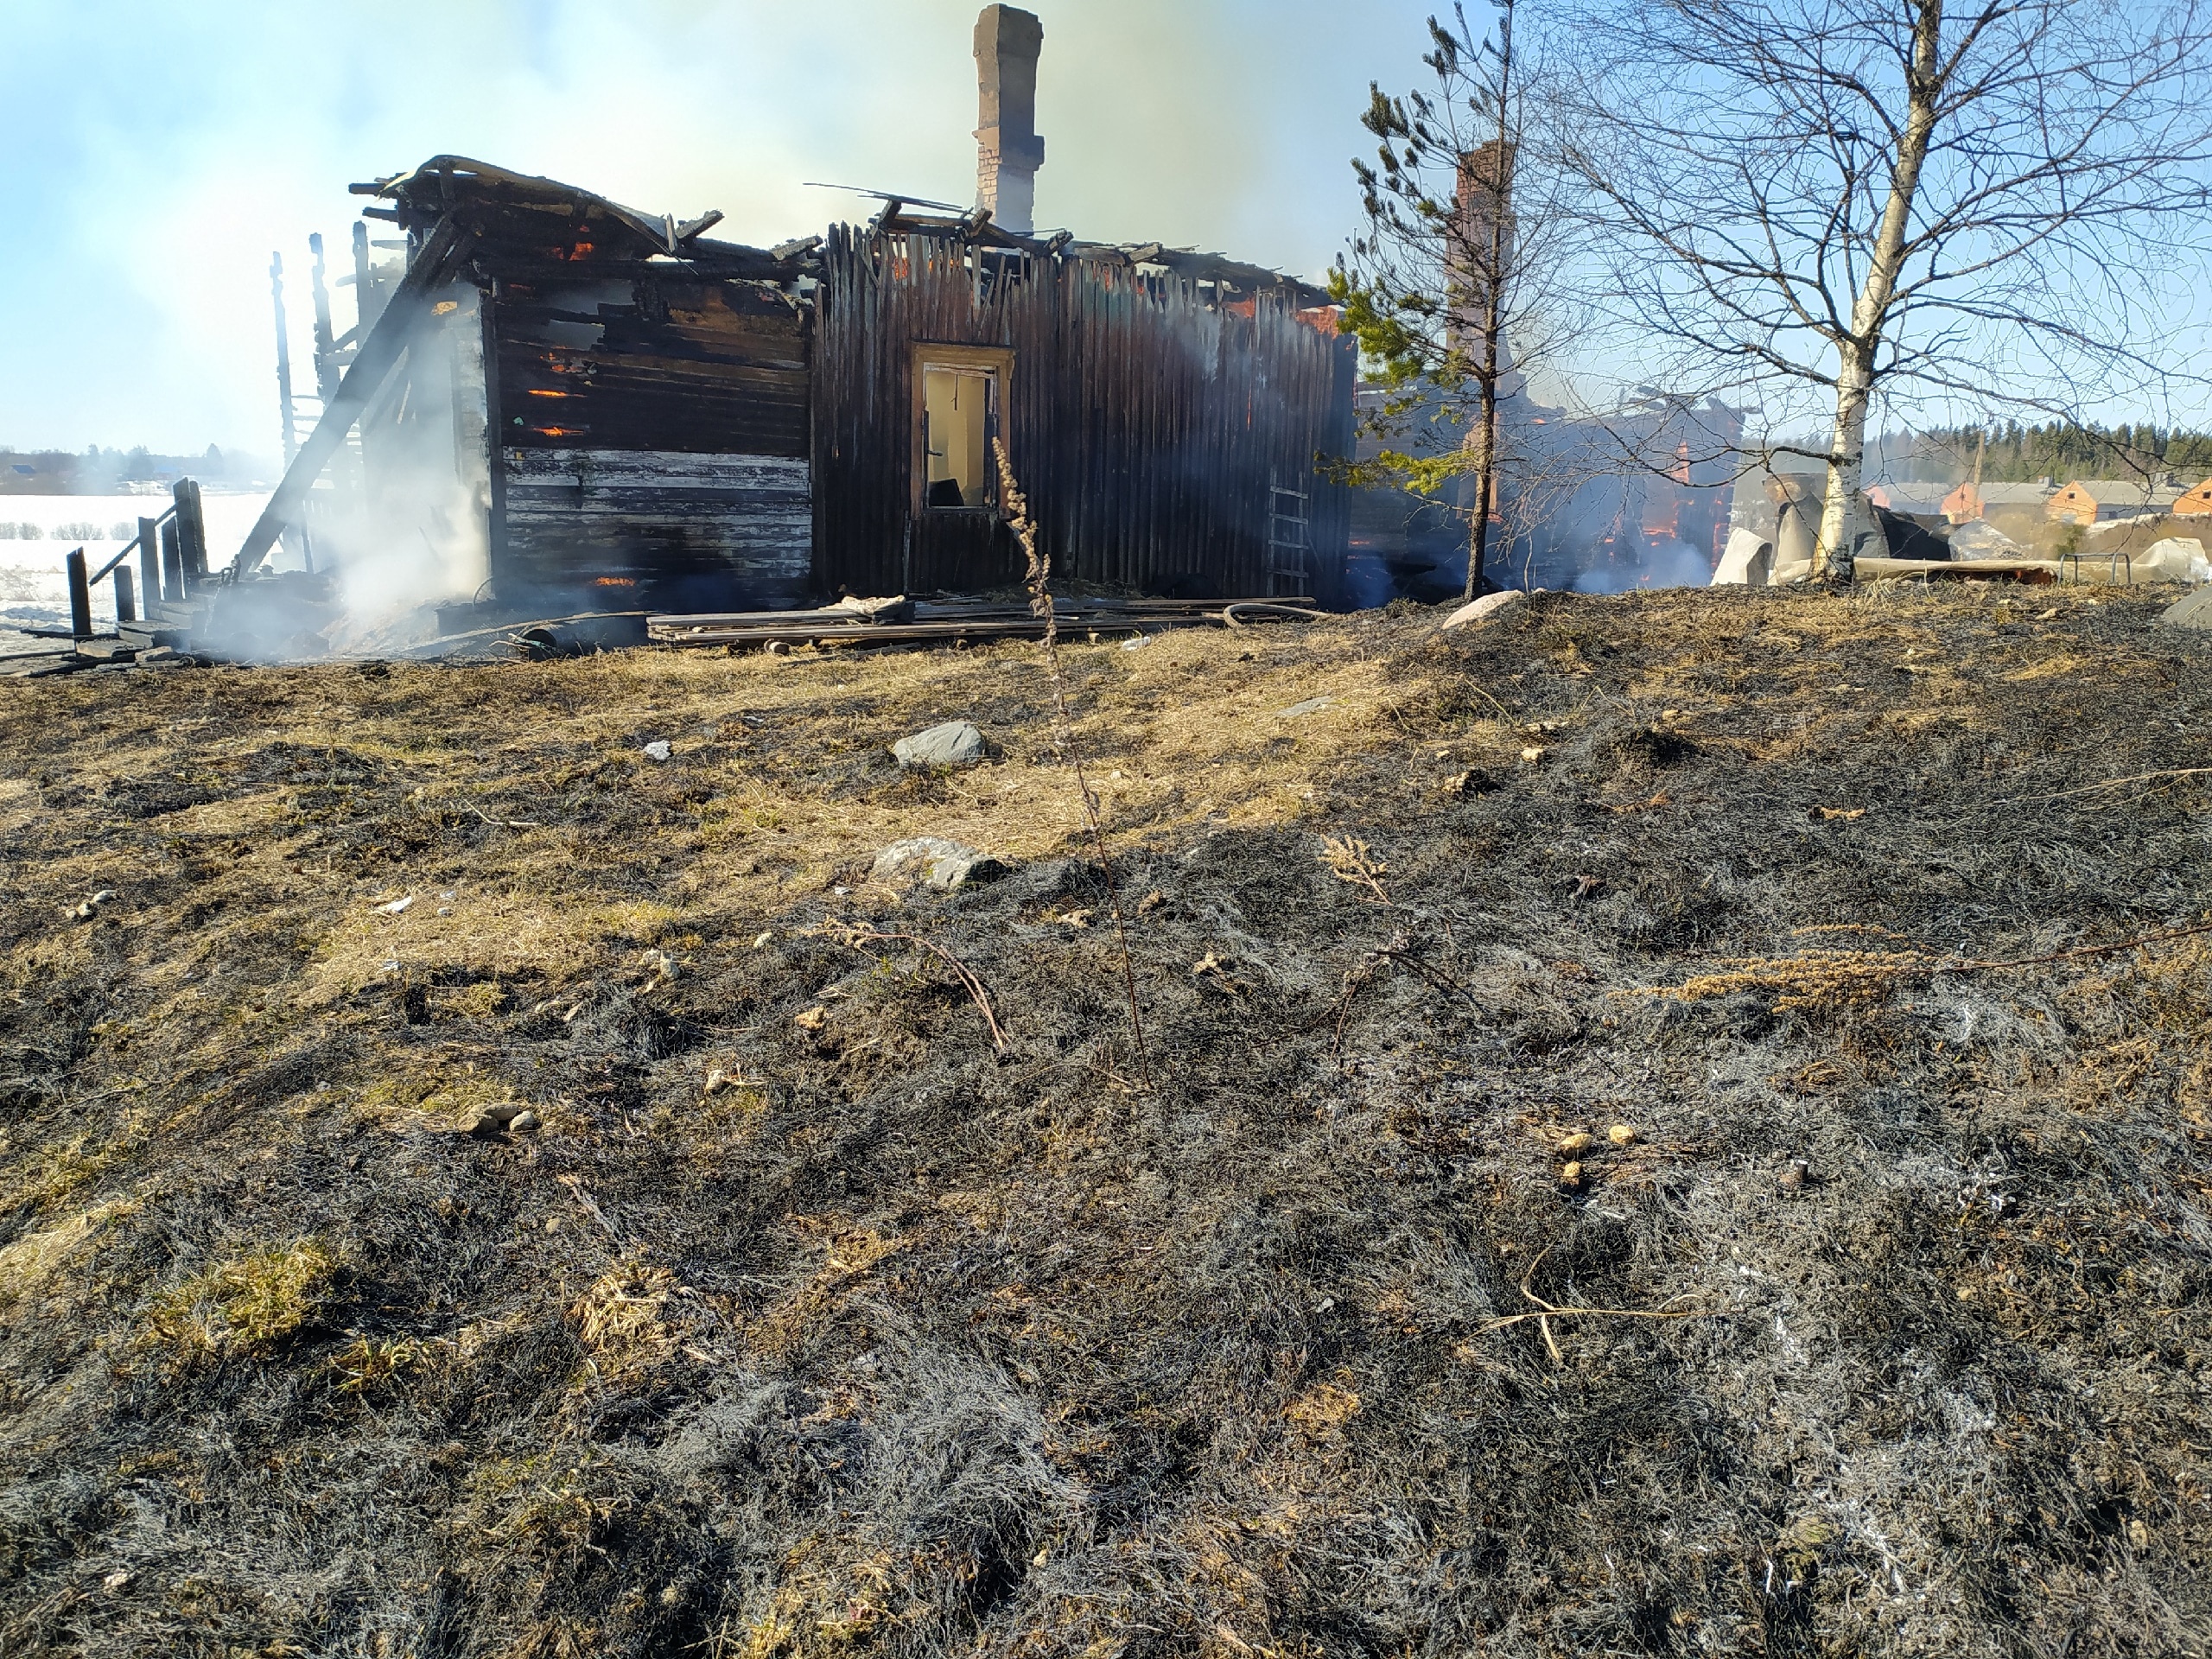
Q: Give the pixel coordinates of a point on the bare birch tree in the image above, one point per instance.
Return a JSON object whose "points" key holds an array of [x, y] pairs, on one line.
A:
{"points": [[1912, 199], [1452, 288]]}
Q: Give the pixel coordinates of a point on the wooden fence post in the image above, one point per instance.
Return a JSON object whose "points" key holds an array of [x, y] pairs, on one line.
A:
{"points": [[150, 562], [191, 531], [172, 565], [81, 597], [126, 596]]}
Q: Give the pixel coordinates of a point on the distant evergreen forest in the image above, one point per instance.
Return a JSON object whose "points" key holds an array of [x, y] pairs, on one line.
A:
{"points": [[2059, 450]]}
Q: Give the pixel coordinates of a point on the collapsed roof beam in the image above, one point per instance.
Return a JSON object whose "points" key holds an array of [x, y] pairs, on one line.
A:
{"points": [[440, 257]]}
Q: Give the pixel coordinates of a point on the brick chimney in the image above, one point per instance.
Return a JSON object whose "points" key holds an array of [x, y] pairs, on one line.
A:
{"points": [[1008, 150]]}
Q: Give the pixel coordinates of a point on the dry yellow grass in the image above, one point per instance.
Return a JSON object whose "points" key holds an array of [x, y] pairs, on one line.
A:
{"points": [[811, 1320], [246, 1306]]}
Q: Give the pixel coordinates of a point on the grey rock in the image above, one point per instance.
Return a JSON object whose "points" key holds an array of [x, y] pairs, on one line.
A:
{"points": [[1481, 610], [657, 749], [956, 743], [505, 1115], [90, 908], [933, 862], [1311, 706], [2194, 612]]}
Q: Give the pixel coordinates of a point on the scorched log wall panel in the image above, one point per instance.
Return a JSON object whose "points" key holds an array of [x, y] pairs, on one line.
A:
{"points": [[1145, 418], [653, 437], [712, 368], [667, 521]]}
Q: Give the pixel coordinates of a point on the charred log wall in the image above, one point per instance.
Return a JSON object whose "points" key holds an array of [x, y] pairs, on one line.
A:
{"points": [[1146, 416], [651, 435]]}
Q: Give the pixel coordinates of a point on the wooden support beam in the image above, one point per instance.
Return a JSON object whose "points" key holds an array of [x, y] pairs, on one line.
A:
{"points": [[439, 257], [126, 596], [325, 350], [284, 410]]}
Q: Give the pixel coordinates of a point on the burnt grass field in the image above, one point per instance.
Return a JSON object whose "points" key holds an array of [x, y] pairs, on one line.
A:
{"points": [[806, 1320]]}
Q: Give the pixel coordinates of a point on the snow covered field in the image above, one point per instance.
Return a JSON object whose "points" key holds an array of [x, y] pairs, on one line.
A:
{"points": [[34, 590]]}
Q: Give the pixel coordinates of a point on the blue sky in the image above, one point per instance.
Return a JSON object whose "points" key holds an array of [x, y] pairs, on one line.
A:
{"points": [[160, 152]]}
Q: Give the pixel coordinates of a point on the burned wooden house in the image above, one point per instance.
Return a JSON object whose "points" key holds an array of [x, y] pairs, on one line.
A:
{"points": [[631, 413]]}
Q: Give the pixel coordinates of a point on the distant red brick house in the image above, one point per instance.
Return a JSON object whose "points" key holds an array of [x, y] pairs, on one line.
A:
{"points": [[2086, 500], [2194, 504]]}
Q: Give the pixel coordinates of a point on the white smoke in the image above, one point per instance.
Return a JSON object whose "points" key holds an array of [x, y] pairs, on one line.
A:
{"points": [[421, 544]]}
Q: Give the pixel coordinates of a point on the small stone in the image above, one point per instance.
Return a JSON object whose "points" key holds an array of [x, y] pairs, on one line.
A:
{"points": [[86, 911], [1571, 1175], [523, 1123], [760, 940], [1473, 781], [813, 1019], [116, 1581], [1580, 1141], [1531, 755], [657, 749], [1794, 1178], [956, 743], [1620, 1135], [1483, 609], [718, 1079], [934, 862], [552, 1223], [1310, 706], [490, 1119]]}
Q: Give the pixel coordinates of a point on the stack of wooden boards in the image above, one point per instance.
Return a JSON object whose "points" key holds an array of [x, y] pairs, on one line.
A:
{"points": [[872, 622]]}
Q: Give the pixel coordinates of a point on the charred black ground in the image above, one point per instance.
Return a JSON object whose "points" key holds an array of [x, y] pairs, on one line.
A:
{"points": [[881, 1342]]}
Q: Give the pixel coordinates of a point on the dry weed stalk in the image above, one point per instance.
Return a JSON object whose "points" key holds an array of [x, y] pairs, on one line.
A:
{"points": [[1040, 604], [1353, 861], [1547, 1312], [858, 936], [1403, 951], [1836, 979]]}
